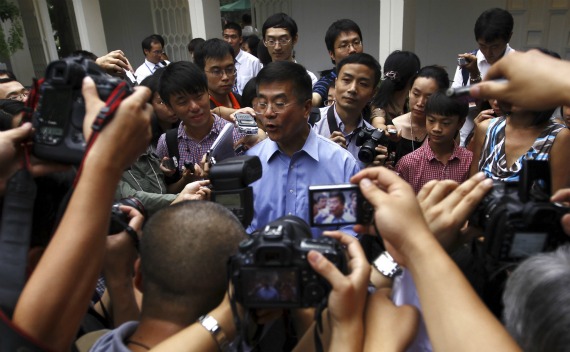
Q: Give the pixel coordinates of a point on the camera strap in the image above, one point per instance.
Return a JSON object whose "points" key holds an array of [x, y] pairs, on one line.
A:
{"points": [[331, 119], [15, 234], [103, 118]]}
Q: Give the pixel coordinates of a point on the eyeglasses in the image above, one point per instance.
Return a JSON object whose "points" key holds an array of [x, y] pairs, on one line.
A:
{"points": [[273, 42], [21, 96], [277, 107], [230, 72], [158, 52], [329, 102], [346, 45]]}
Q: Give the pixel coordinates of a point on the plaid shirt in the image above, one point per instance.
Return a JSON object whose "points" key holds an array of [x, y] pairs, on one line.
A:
{"points": [[190, 149], [422, 166]]}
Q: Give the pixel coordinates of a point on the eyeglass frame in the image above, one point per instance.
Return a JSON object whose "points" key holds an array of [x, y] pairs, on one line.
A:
{"points": [[329, 102], [20, 96], [282, 41], [346, 46], [276, 111]]}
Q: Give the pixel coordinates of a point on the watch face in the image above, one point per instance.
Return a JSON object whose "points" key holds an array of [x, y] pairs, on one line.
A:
{"points": [[386, 265], [209, 323]]}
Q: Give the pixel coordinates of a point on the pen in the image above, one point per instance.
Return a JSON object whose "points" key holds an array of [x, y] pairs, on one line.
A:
{"points": [[461, 91]]}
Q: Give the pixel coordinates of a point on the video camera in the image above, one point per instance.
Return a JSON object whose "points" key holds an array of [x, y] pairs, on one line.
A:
{"points": [[230, 179], [518, 219], [368, 139], [58, 117], [271, 269]]}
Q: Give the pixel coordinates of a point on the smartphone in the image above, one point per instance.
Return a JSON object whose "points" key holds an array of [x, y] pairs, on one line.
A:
{"points": [[462, 61], [189, 166], [246, 124], [392, 131], [338, 205]]}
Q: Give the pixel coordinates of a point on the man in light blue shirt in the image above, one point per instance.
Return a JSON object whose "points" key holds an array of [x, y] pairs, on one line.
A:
{"points": [[294, 156]]}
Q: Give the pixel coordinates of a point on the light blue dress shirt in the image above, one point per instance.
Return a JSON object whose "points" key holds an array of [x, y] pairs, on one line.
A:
{"points": [[284, 186]]}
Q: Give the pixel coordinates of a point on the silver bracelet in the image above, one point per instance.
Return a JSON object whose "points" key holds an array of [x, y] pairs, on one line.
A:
{"points": [[211, 324]]}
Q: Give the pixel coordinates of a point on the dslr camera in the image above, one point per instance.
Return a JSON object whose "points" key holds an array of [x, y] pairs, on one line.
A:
{"points": [[368, 139], [271, 268], [58, 117], [119, 220], [518, 219]]}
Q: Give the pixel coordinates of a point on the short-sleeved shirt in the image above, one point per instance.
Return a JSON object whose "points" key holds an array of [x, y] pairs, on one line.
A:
{"points": [[247, 66], [191, 150], [323, 84], [114, 340], [284, 186], [422, 166]]}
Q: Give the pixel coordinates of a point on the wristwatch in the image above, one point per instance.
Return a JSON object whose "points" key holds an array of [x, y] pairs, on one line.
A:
{"points": [[386, 265], [211, 324]]}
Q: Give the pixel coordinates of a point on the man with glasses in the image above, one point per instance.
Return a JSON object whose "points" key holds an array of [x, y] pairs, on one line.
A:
{"points": [[217, 59], [294, 156], [247, 65], [184, 90], [343, 38], [13, 90], [153, 47], [280, 36]]}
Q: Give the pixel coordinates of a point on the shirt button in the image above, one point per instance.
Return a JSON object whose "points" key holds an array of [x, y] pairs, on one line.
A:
{"points": [[292, 166], [290, 213], [291, 191]]}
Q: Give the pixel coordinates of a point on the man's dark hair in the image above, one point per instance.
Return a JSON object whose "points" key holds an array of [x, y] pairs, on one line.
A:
{"points": [[435, 72], [287, 71], [246, 19], [338, 27], [152, 82], [212, 49], [84, 54], [280, 20], [494, 24], [399, 69], [184, 252], [194, 43], [181, 77], [249, 93], [363, 59], [440, 104], [10, 74], [234, 26], [338, 195], [153, 38], [253, 43]]}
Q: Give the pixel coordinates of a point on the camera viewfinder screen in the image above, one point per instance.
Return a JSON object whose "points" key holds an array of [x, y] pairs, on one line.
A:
{"points": [[229, 200], [264, 287], [527, 243], [334, 207], [55, 106]]}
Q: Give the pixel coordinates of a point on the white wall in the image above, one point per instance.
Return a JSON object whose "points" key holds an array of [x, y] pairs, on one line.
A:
{"points": [[314, 18], [444, 28]]}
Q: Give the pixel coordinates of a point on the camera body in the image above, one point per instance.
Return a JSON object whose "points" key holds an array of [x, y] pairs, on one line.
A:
{"points": [[271, 268], [518, 219], [119, 220], [230, 180], [462, 61], [58, 118], [368, 139]]}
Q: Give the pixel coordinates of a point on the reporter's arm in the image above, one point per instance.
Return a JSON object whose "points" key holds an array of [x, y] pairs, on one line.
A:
{"points": [[456, 319], [476, 145], [57, 294]]}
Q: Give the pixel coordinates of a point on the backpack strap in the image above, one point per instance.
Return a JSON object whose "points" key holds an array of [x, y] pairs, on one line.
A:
{"points": [[171, 139], [465, 73]]}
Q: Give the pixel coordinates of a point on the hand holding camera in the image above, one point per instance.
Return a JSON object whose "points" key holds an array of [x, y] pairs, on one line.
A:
{"points": [[338, 138], [348, 296]]}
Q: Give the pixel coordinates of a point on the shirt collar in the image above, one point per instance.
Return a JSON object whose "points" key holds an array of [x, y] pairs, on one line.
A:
{"points": [[310, 147], [340, 124], [481, 57], [430, 155]]}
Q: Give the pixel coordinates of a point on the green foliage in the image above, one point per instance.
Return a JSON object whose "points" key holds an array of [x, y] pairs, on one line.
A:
{"points": [[8, 45]]}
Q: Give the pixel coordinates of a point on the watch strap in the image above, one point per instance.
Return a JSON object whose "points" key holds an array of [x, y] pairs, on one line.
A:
{"points": [[386, 265]]}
